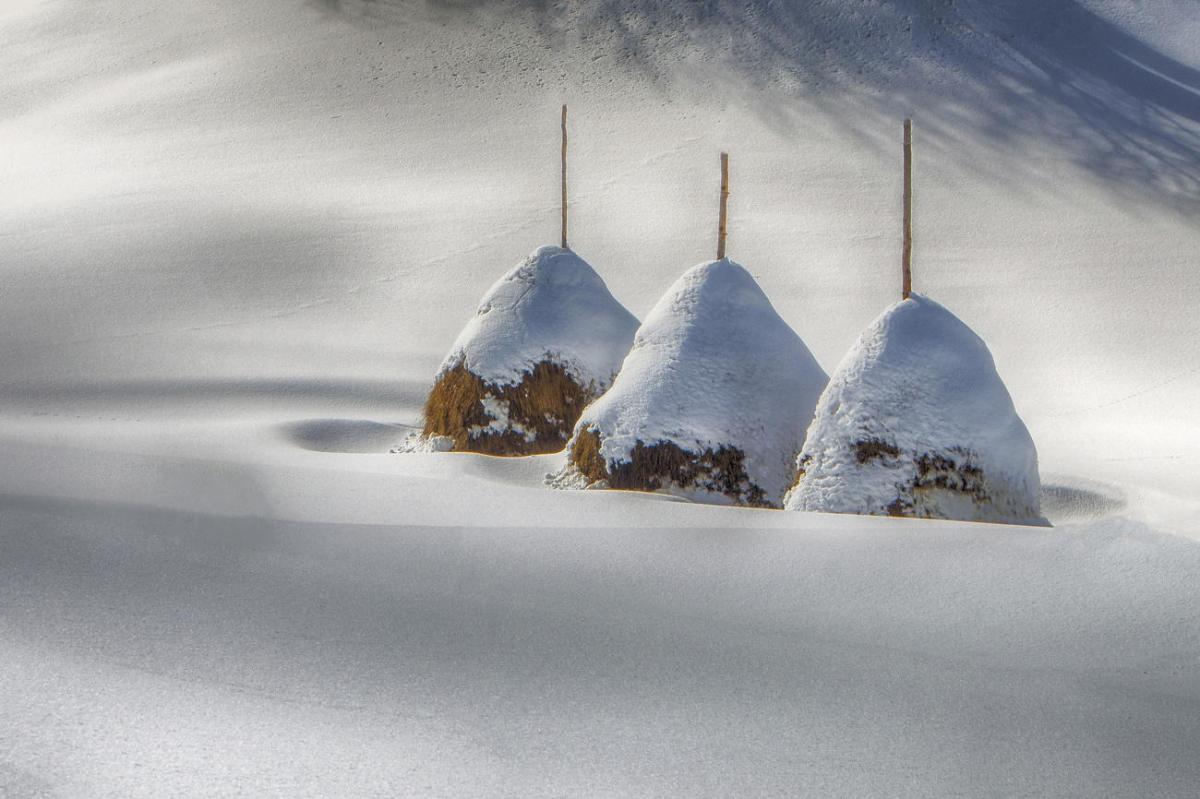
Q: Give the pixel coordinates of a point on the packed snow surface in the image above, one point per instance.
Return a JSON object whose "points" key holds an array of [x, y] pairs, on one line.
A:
{"points": [[552, 306], [916, 421], [713, 365], [237, 238]]}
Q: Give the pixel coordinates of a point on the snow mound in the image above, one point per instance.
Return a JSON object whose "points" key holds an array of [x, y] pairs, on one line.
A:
{"points": [[916, 422], [552, 306], [712, 401], [548, 339]]}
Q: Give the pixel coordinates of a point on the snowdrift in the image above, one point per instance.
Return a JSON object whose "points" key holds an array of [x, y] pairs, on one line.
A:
{"points": [[916, 422], [711, 402], [548, 338]]}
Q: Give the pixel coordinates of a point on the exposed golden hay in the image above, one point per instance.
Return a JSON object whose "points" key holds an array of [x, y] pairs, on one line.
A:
{"points": [[663, 464], [801, 469], [586, 458], [542, 410]]}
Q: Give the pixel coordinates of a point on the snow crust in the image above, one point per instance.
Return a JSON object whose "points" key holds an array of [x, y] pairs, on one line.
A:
{"points": [[551, 306], [916, 414], [714, 364]]}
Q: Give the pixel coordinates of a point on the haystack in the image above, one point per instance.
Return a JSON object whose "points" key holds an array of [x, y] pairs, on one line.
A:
{"points": [[711, 402], [547, 339], [916, 422]]}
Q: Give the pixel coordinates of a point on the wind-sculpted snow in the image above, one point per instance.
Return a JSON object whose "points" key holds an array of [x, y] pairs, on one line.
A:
{"points": [[916, 422], [713, 399]]}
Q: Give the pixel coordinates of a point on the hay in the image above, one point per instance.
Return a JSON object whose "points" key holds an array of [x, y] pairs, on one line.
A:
{"points": [[802, 464], [871, 448], [917, 422], [954, 471], [665, 464], [533, 417], [586, 458]]}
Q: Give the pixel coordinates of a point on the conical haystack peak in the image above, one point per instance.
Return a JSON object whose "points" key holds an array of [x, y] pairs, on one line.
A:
{"points": [[547, 339], [711, 402], [917, 422], [552, 306]]}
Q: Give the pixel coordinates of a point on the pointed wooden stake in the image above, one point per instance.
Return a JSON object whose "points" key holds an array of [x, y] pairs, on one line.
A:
{"points": [[906, 289], [564, 176], [721, 220]]}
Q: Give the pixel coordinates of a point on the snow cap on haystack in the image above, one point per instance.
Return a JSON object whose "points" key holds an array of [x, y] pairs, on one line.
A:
{"points": [[547, 339], [916, 422], [711, 402]]}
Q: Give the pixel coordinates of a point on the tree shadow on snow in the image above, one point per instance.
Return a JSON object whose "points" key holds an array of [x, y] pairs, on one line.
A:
{"points": [[1008, 72]]}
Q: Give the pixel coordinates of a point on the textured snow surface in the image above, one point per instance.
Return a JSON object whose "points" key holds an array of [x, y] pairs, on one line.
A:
{"points": [[916, 415], [249, 621], [713, 364], [238, 238], [552, 306]]}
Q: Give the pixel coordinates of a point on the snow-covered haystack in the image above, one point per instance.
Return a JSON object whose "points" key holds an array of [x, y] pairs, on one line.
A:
{"points": [[548, 338], [916, 422], [711, 402]]}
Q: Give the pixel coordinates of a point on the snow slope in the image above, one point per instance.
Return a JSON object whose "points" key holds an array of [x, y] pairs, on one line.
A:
{"points": [[236, 240], [916, 422], [713, 366]]}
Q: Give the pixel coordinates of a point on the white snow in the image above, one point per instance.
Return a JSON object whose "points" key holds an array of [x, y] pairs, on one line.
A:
{"points": [[258, 623], [916, 416], [237, 238], [552, 306], [713, 365]]}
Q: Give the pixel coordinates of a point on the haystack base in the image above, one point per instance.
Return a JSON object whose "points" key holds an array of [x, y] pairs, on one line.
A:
{"points": [[540, 410], [665, 464], [953, 471]]}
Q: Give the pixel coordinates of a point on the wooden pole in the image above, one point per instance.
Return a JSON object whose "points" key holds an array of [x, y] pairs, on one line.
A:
{"points": [[564, 176], [906, 289], [721, 220]]}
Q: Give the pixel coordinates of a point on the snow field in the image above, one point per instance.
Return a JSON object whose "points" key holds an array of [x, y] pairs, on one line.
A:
{"points": [[235, 239]]}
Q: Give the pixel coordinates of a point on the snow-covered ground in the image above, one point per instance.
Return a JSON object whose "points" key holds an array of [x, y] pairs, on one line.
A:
{"points": [[236, 240]]}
